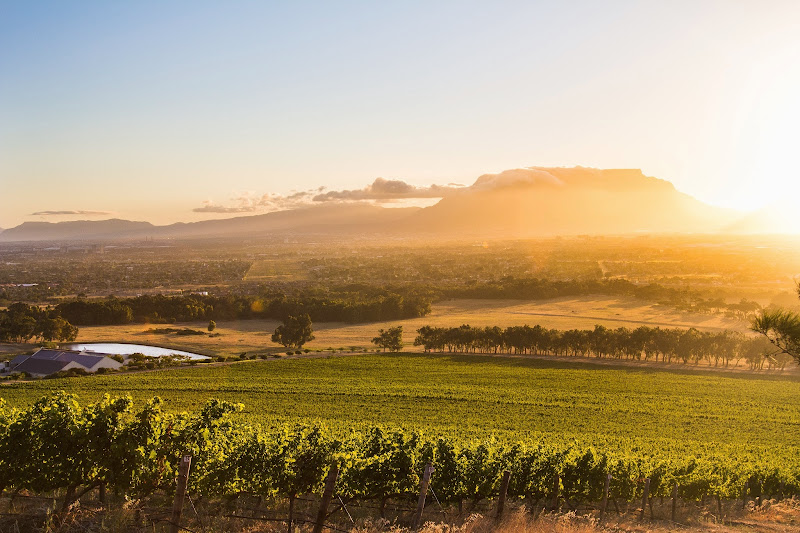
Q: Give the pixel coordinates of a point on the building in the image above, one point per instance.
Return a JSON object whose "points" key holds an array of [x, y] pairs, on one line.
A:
{"points": [[45, 362]]}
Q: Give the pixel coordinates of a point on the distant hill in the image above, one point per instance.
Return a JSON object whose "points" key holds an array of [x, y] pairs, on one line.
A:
{"points": [[323, 219], [74, 230], [525, 202]]}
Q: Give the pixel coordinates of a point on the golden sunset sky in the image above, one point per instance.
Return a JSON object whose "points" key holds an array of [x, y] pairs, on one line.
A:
{"points": [[179, 111]]}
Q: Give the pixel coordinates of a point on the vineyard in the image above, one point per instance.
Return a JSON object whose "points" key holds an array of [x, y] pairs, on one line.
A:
{"points": [[136, 451], [274, 428], [472, 396]]}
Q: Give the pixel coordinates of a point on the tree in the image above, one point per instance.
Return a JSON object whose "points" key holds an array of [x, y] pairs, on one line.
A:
{"points": [[391, 338], [295, 331], [781, 328]]}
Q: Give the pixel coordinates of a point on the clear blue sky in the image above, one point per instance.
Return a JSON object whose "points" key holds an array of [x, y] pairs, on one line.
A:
{"points": [[147, 110]]}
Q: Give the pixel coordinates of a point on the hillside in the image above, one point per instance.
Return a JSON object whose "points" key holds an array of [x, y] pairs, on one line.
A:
{"points": [[567, 201], [525, 202], [75, 230]]}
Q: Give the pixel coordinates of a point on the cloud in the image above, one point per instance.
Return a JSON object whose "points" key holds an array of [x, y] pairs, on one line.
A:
{"points": [[71, 213], [514, 178], [381, 190], [386, 190], [209, 207], [249, 202]]}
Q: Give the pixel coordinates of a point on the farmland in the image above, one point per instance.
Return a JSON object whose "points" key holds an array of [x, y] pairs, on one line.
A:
{"points": [[252, 336], [480, 396], [579, 415]]}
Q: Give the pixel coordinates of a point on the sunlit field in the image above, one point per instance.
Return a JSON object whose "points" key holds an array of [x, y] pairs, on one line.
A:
{"points": [[565, 313], [478, 397]]}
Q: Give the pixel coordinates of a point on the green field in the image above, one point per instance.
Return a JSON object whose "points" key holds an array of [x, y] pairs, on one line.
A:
{"points": [[480, 396]]}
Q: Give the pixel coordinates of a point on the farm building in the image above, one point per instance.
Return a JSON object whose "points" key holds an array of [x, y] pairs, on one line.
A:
{"points": [[45, 362]]}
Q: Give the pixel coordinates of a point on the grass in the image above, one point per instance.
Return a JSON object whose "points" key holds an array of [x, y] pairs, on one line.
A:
{"points": [[562, 313], [479, 396]]}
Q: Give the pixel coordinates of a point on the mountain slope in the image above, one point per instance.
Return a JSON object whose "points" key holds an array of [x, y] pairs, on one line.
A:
{"points": [[344, 218], [540, 201], [325, 219], [74, 230], [525, 202]]}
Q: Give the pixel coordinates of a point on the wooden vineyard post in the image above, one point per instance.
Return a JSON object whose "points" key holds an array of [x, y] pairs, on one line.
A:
{"points": [[744, 495], [501, 502], [645, 496], [180, 492], [556, 495], [605, 497], [674, 500], [327, 496], [423, 493]]}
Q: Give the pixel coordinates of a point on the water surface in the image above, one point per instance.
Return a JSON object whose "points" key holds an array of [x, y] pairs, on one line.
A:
{"points": [[119, 348]]}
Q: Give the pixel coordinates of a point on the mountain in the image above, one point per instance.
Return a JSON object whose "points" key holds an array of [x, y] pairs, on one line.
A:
{"points": [[525, 202], [324, 219], [538, 201], [74, 230]]}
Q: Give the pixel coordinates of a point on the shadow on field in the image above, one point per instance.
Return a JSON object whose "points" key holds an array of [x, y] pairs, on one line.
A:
{"points": [[640, 367]]}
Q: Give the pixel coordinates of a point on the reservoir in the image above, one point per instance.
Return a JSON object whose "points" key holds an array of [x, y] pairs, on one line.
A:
{"points": [[128, 349]]}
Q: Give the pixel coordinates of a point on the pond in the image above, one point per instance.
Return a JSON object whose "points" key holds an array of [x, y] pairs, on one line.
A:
{"points": [[128, 349]]}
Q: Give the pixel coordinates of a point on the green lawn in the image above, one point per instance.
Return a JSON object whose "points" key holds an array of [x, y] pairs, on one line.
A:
{"points": [[479, 396]]}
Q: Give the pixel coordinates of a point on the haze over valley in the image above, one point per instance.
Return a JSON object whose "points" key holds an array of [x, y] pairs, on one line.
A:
{"points": [[520, 203], [399, 266]]}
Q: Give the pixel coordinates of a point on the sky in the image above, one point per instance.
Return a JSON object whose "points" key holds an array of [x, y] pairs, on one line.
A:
{"points": [[187, 110]]}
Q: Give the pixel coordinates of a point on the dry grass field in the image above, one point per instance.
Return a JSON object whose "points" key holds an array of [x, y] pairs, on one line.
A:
{"points": [[563, 313]]}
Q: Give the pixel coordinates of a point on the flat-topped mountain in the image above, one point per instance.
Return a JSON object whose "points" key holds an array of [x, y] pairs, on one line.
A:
{"points": [[540, 201], [525, 202], [74, 230]]}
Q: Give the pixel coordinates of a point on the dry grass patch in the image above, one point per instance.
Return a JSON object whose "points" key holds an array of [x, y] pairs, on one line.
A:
{"points": [[562, 313]]}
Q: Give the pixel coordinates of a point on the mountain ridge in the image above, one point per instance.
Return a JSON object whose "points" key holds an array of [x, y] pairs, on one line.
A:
{"points": [[517, 203]]}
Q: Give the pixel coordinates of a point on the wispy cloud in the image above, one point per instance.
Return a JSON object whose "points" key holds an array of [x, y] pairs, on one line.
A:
{"points": [[250, 202], [379, 191], [209, 207], [386, 190], [71, 212]]}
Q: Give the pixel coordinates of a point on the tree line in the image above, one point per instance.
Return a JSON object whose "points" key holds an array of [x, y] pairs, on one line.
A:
{"points": [[642, 343], [135, 451], [349, 307], [521, 288], [22, 322]]}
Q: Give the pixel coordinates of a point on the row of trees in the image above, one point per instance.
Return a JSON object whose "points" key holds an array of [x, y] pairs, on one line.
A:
{"points": [[349, 307], [642, 343], [22, 322], [136, 451], [539, 289]]}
